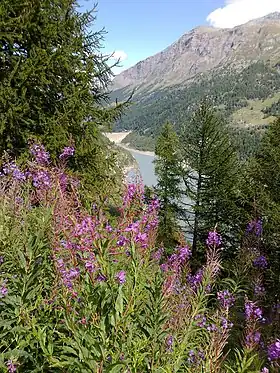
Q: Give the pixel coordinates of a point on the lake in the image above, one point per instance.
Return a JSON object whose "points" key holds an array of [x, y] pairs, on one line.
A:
{"points": [[146, 168]]}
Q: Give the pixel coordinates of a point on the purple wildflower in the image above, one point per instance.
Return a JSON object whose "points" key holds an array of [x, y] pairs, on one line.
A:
{"points": [[200, 320], [169, 343], [3, 291], [122, 241], [68, 151], [11, 366], [260, 262], [273, 350], [265, 370], [41, 155], [158, 254], [212, 328], [134, 227], [184, 253], [254, 226], [154, 205], [121, 277], [226, 324], [101, 278], [214, 239], [252, 311], [142, 239], [196, 279], [41, 179], [12, 169], [225, 298], [90, 267], [164, 267], [1, 259], [259, 290], [109, 228], [252, 339]]}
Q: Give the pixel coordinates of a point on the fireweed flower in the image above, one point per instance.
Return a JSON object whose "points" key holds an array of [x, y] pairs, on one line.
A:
{"points": [[12, 169], [133, 227], [169, 343], [158, 254], [11, 366], [184, 253], [42, 157], [101, 278], [68, 151], [225, 298], [164, 267], [265, 370], [273, 351], [200, 321], [3, 291], [212, 328], [122, 241], [254, 226], [252, 311], [253, 338], [121, 277], [260, 262], [214, 239], [225, 323], [142, 238], [154, 205], [259, 290], [90, 266], [41, 179], [195, 280]]}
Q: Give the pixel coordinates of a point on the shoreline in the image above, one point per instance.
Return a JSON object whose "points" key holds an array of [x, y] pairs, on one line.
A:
{"points": [[143, 152], [118, 137]]}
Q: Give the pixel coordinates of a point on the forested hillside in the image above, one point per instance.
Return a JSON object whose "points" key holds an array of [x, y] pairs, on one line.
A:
{"points": [[238, 68], [229, 90]]}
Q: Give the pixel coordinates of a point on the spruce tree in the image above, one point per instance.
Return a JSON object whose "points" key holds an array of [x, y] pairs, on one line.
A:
{"points": [[53, 83], [210, 174], [265, 172], [168, 188]]}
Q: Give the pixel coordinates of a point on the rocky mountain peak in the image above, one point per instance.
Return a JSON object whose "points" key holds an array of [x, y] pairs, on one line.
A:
{"points": [[203, 49]]}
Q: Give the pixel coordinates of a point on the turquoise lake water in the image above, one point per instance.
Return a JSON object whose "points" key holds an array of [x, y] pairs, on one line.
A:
{"points": [[146, 168]]}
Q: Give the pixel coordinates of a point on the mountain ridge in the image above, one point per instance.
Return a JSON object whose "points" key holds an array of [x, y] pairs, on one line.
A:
{"points": [[203, 49]]}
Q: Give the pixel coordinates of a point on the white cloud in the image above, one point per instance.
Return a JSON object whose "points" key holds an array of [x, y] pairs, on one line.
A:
{"points": [[119, 55], [236, 12]]}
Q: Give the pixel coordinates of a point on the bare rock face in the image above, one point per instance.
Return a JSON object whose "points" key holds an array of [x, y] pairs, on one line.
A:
{"points": [[204, 49]]}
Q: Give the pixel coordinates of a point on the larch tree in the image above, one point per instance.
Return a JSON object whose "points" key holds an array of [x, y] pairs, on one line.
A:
{"points": [[53, 81], [168, 188], [210, 174]]}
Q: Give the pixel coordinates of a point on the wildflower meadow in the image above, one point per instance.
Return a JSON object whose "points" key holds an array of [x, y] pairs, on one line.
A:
{"points": [[83, 289]]}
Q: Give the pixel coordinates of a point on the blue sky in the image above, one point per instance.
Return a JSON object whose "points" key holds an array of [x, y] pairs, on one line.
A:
{"points": [[138, 29]]}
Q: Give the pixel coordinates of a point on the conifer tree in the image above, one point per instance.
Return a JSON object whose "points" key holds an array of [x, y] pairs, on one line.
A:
{"points": [[168, 189], [210, 174], [265, 172], [53, 82]]}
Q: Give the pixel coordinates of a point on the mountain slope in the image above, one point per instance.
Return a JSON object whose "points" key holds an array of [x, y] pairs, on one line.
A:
{"points": [[204, 49], [235, 67]]}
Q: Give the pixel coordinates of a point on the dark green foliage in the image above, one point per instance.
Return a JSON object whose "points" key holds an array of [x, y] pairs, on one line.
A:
{"points": [[140, 141], [53, 80], [274, 109], [247, 140], [265, 173], [168, 190], [211, 174]]}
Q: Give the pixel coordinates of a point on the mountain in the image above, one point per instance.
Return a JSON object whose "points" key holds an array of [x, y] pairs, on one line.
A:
{"points": [[203, 49], [204, 61]]}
